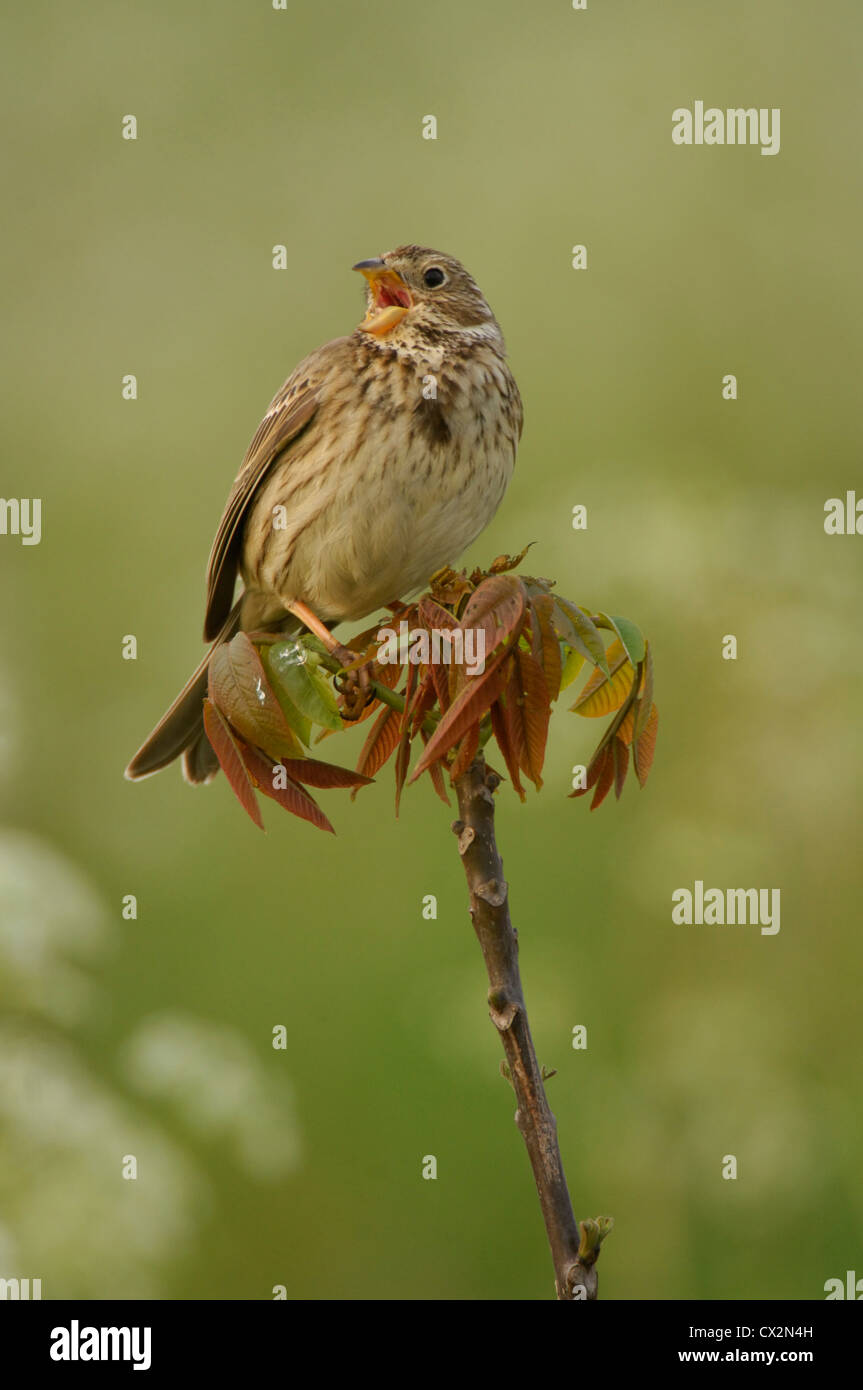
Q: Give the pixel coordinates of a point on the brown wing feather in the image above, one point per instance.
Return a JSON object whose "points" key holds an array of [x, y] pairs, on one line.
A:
{"points": [[289, 414]]}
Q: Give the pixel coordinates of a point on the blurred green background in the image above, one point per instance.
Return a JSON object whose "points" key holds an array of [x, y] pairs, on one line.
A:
{"points": [[153, 1037]]}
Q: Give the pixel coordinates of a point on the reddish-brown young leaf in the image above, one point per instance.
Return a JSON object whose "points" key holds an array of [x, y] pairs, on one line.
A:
{"points": [[315, 773], [389, 673], [605, 778], [645, 705], [645, 746], [624, 732], [500, 730], [544, 642], [403, 756], [239, 686], [443, 682], [620, 753], [227, 748], [526, 713], [423, 700], [292, 797], [593, 770], [467, 709], [466, 753], [512, 722], [497, 608], [382, 739], [436, 774], [432, 614], [409, 696], [537, 709]]}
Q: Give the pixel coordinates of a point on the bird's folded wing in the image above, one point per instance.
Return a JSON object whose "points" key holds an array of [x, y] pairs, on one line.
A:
{"points": [[289, 414]]}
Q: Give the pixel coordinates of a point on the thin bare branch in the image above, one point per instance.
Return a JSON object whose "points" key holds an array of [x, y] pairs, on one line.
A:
{"points": [[574, 1249]]}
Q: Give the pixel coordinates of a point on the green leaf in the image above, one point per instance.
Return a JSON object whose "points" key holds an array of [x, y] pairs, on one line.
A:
{"points": [[630, 636], [574, 627], [301, 726], [306, 689]]}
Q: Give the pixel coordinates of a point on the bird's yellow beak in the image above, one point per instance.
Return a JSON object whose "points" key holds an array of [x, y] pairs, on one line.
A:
{"points": [[391, 298]]}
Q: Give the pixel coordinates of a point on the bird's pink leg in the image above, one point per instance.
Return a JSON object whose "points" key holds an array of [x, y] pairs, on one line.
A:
{"points": [[355, 687], [314, 624]]}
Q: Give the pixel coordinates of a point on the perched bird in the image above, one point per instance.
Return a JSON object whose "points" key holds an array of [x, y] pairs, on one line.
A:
{"points": [[381, 458]]}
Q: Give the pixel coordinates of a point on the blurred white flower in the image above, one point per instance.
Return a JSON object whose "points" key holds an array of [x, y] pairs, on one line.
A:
{"points": [[73, 1220], [217, 1085], [51, 920]]}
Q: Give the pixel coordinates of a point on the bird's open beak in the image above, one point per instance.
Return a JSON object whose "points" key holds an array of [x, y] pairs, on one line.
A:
{"points": [[391, 298]]}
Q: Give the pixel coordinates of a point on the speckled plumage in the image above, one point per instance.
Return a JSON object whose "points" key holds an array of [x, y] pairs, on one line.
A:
{"points": [[381, 458]]}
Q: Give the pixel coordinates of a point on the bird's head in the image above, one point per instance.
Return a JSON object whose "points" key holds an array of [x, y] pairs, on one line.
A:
{"points": [[413, 292]]}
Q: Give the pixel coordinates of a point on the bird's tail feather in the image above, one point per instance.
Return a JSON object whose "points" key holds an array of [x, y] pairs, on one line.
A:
{"points": [[181, 728]]}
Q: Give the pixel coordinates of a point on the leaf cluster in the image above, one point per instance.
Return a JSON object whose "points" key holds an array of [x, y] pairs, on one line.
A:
{"points": [[271, 699]]}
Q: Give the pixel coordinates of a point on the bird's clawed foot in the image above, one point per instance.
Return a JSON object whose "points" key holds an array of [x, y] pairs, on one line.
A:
{"points": [[354, 686]]}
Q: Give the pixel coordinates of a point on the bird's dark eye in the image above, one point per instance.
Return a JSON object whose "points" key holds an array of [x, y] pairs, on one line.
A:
{"points": [[433, 277]]}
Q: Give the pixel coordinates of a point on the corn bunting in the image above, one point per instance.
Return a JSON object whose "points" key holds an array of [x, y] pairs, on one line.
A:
{"points": [[381, 458]]}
